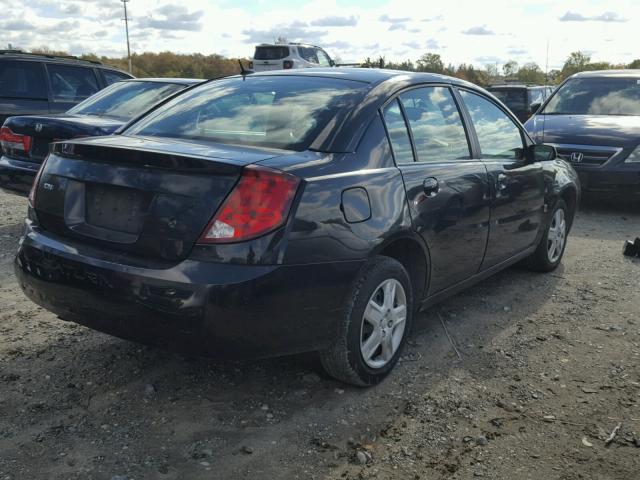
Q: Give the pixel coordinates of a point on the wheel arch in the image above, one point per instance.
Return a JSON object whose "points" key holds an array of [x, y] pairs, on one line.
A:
{"points": [[410, 250]]}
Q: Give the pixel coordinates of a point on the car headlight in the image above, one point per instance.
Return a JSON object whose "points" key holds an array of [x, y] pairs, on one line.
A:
{"points": [[634, 157]]}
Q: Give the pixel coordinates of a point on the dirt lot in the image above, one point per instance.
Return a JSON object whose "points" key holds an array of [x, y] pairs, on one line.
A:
{"points": [[549, 367]]}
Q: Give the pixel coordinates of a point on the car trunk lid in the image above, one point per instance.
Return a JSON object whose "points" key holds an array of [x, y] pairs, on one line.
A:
{"points": [[45, 129], [144, 197]]}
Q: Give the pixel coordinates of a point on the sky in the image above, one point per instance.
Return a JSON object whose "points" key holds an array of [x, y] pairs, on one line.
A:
{"points": [[479, 32]]}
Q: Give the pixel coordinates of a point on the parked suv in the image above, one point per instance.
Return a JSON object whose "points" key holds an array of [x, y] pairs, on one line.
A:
{"points": [[32, 84], [593, 120], [289, 56], [522, 100]]}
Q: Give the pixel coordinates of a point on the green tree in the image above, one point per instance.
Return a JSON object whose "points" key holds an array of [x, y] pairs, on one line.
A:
{"points": [[576, 62], [634, 64], [430, 62], [530, 73], [510, 68]]}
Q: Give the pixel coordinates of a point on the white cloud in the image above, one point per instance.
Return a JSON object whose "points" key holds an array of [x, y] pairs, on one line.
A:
{"points": [[352, 33]]}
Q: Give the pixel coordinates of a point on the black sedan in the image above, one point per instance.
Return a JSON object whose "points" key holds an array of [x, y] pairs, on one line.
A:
{"points": [[593, 120], [25, 139], [293, 211]]}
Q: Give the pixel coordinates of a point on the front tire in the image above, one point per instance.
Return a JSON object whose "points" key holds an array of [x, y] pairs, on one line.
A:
{"points": [[374, 327], [550, 250]]}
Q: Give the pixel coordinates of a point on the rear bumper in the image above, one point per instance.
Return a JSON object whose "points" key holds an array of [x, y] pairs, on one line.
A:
{"points": [[16, 176], [200, 308], [622, 181]]}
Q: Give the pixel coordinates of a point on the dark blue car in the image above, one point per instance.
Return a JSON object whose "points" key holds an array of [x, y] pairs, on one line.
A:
{"points": [[25, 139], [593, 120], [314, 210]]}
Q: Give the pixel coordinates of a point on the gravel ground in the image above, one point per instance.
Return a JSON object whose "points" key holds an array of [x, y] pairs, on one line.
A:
{"points": [[548, 369]]}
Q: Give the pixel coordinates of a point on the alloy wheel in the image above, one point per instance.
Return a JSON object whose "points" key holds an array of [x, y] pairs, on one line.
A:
{"points": [[383, 323], [556, 236]]}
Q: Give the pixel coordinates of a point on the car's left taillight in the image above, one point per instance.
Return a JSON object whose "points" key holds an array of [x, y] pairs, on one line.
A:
{"points": [[36, 181], [14, 141], [258, 204]]}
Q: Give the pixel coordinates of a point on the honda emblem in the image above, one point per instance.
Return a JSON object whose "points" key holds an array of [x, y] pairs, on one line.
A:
{"points": [[576, 157], [38, 127]]}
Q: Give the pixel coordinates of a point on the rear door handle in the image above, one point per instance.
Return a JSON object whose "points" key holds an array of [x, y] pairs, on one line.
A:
{"points": [[430, 186]]}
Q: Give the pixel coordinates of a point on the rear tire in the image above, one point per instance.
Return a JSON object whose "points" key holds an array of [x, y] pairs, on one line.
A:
{"points": [[550, 250], [375, 325]]}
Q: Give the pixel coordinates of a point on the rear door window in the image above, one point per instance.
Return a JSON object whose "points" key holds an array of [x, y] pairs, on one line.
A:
{"points": [[435, 123], [398, 133], [71, 84], [22, 80], [309, 54]]}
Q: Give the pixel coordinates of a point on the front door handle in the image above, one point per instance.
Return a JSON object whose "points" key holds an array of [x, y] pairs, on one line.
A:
{"points": [[430, 186]]}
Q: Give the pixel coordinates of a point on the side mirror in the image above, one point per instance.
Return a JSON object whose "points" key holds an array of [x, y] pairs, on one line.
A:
{"points": [[332, 63], [535, 107], [541, 153]]}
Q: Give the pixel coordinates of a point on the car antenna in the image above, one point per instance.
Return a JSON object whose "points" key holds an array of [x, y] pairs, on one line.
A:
{"points": [[243, 71]]}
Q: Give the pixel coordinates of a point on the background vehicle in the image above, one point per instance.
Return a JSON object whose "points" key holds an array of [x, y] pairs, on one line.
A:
{"points": [[522, 100], [593, 119], [25, 139], [293, 211], [36, 84], [289, 56]]}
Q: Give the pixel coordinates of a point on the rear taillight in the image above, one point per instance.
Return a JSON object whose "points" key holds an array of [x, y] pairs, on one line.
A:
{"points": [[14, 141], [250, 65], [287, 64], [258, 204], [36, 181]]}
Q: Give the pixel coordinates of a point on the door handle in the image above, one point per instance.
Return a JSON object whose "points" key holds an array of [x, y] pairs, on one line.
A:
{"points": [[501, 182], [430, 186]]}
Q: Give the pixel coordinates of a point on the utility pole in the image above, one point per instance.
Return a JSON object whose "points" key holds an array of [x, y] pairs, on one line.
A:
{"points": [[126, 26], [546, 67]]}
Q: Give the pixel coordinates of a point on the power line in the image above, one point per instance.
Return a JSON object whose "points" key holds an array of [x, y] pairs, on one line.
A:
{"points": [[126, 26]]}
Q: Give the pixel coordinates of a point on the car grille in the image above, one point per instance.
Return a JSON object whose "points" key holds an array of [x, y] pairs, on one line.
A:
{"points": [[586, 154]]}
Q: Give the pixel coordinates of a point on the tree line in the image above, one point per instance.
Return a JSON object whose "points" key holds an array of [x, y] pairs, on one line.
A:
{"points": [[196, 65], [511, 71]]}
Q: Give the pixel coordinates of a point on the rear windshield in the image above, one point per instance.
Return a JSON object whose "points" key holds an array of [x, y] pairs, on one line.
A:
{"points": [[284, 112], [596, 96], [514, 98], [271, 53], [125, 100]]}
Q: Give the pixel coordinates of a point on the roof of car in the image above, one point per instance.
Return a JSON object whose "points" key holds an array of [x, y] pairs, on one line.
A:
{"points": [[609, 73], [366, 75], [18, 54], [180, 81]]}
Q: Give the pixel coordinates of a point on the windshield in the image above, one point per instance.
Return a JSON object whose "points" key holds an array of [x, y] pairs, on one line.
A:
{"points": [[125, 100], [596, 96], [285, 112], [515, 99]]}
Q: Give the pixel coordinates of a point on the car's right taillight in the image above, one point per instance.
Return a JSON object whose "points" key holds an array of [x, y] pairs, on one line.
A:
{"points": [[250, 65], [258, 204], [14, 141], [287, 64], [36, 181]]}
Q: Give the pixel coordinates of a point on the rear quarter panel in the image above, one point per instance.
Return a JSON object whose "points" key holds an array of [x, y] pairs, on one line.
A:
{"points": [[319, 231]]}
